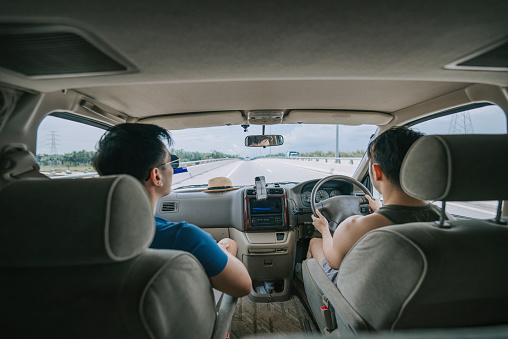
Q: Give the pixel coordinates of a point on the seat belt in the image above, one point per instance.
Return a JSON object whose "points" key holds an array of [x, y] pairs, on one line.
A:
{"points": [[18, 163], [326, 314]]}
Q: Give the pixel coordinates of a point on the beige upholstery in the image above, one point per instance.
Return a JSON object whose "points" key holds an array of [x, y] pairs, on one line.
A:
{"points": [[92, 221], [424, 276], [74, 263], [419, 275], [457, 168]]}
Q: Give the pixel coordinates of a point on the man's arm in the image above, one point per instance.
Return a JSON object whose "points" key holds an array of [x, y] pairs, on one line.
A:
{"points": [[346, 235], [234, 279], [226, 273]]}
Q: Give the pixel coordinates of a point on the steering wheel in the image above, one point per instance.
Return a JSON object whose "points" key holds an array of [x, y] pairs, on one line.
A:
{"points": [[338, 208]]}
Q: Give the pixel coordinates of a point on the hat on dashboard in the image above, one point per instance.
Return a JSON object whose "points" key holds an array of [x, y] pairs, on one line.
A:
{"points": [[220, 184]]}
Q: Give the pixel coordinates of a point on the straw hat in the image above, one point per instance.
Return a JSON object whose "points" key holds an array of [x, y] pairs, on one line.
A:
{"points": [[220, 184]]}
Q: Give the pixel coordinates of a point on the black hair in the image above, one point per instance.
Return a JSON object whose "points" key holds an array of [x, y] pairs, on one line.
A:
{"points": [[389, 149], [131, 149]]}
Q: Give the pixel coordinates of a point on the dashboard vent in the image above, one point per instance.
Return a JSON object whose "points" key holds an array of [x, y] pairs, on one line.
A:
{"points": [[275, 191], [251, 192], [169, 207]]}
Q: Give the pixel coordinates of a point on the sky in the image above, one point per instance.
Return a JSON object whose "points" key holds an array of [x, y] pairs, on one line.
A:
{"points": [[72, 136]]}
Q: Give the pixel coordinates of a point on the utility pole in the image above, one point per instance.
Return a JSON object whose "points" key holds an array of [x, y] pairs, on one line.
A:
{"points": [[53, 143], [53, 151], [337, 141], [461, 124]]}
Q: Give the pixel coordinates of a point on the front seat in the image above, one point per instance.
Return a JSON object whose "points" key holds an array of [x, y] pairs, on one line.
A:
{"points": [[426, 275], [74, 262]]}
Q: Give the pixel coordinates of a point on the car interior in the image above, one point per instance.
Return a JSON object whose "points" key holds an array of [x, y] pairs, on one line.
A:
{"points": [[258, 77]]}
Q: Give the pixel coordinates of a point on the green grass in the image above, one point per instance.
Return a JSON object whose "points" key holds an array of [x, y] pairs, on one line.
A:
{"points": [[87, 168]]}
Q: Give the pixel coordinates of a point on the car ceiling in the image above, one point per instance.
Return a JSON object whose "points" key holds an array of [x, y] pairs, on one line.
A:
{"points": [[199, 56]]}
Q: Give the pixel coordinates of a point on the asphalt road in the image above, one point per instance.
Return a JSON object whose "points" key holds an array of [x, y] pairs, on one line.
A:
{"points": [[243, 173]]}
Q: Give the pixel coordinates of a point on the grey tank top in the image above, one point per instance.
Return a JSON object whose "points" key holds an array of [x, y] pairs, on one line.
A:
{"points": [[399, 214]]}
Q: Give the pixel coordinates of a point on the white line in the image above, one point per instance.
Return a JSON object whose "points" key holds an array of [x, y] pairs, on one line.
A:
{"points": [[269, 170], [234, 169]]}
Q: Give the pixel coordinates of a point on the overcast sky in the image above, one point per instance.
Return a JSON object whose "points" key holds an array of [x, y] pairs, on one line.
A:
{"points": [[71, 136]]}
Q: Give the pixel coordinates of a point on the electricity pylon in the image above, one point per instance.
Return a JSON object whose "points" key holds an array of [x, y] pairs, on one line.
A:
{"points": [[461, 124]]}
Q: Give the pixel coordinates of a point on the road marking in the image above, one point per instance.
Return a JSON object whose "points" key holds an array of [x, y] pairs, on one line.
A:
{"points": [[234, 169], [469, 207], [269, 170]]}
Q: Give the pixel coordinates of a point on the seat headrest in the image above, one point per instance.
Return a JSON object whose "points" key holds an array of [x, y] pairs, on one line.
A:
{"points": [[457, 168], [74, 221]]}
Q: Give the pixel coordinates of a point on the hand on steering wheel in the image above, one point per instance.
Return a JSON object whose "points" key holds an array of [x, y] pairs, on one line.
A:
{"points": [[319, 222], [338, 208]]}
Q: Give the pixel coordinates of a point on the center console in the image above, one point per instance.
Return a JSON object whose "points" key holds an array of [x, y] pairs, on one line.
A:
{"points": [[269, 214], [269, 245]]}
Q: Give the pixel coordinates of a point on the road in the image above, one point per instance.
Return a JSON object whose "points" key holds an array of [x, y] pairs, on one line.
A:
{"points": [[243, 173]]}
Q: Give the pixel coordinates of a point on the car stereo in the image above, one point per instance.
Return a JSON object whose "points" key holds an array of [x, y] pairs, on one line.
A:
{"points": [[266, 214]]}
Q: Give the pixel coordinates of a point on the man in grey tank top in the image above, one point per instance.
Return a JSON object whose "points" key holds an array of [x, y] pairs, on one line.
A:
{"points": [[385, 154]]}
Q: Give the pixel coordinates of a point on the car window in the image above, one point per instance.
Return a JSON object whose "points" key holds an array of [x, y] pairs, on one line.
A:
{"points": [[477, 119], [65, 147]]}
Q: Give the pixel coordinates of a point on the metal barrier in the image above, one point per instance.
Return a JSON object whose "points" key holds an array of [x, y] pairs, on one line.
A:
{"points": [[193, 167], [340, 160]]}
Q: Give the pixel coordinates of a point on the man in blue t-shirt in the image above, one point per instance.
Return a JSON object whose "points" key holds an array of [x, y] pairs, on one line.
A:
{"points": [[139, 150]]}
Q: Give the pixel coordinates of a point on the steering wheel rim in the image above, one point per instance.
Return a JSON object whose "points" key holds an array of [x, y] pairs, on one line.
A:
{"points": [[320, 183]]}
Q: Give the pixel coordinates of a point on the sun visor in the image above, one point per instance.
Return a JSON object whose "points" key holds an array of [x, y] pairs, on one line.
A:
{"points": [[337, 117], [195, 120]]}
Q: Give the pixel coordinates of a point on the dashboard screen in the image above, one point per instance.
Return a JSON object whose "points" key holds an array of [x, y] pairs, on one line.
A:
{"points": [[270, 205]]}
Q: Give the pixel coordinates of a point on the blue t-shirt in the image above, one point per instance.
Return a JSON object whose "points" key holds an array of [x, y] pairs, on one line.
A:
{"points": [[190, 238]]}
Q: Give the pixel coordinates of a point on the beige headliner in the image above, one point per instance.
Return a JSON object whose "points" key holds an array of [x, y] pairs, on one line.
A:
{"points": [[203, 56]]}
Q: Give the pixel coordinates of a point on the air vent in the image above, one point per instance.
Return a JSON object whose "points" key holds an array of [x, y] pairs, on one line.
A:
{"points": [[169, 207], [46, 51], [251, 192], [492, 58], [275, 191]]}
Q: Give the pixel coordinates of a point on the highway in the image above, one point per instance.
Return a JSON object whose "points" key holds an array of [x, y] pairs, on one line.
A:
{"points": [[243, 173]]}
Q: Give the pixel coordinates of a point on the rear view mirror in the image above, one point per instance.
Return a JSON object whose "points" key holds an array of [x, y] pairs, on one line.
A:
{"points": [[263, 140]]}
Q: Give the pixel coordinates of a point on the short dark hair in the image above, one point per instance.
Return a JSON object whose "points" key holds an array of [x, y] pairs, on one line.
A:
{"points": [[389, 149], [131, 149]]}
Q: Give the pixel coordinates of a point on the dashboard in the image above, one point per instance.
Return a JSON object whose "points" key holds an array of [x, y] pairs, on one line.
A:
{"points": [[329, 189], [268, 231]]}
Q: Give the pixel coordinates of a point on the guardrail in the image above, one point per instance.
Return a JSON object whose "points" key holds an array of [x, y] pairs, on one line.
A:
{"points": [[340, 160], [193, 168]]}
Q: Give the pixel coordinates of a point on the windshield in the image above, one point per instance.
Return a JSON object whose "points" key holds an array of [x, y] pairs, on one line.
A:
{"points": [[308, 152]]}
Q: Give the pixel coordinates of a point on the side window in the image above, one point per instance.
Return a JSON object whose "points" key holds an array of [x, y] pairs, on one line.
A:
{"points": [[487, 119], [478, 119], [66, 147]]}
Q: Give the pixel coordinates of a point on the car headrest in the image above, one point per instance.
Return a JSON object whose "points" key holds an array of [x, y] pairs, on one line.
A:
{"points": [[74, 221], [457, 168]]}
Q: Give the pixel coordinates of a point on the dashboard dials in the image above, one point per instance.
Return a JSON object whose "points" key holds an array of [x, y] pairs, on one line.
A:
{"points": [[322, 195], [335, 193], [306, 197], [330, 189]]}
